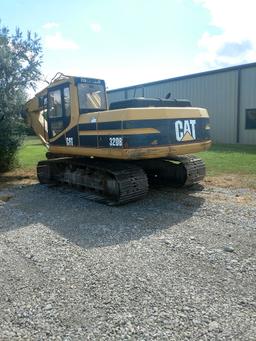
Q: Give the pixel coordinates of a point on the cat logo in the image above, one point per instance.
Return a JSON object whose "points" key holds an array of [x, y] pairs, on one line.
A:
{"points": [[185, 130]]}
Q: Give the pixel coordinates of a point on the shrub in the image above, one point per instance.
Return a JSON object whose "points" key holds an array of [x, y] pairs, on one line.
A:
{"points": [[20, 60]]}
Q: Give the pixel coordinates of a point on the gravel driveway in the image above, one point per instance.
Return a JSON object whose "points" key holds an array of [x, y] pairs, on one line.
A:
{"points": [[178, 265]]}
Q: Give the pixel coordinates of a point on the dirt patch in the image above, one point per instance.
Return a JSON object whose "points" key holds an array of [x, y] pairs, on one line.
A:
{"points": [[218, 195], [18, 177], [5, 197], [231, 181]]}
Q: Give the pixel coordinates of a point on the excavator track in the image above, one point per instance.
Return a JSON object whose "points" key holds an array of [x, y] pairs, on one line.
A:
{"points": [[178, 171], [117, 183], [194, 167], [114, 183]]}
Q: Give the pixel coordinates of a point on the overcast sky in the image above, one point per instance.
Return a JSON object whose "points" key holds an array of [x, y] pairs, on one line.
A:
{"points": [[129, 42]]}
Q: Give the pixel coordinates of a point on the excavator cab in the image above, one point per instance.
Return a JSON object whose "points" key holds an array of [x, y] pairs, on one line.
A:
{"points": [[89, 95], [59, 106]]}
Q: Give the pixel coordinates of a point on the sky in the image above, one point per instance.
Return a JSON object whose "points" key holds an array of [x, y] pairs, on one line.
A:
{"points": [[128, 42]]}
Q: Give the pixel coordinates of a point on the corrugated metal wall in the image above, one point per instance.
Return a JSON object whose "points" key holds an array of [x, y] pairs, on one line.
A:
{"points": [[248, 101], [218, 92], [115, 95], [210, 92]]}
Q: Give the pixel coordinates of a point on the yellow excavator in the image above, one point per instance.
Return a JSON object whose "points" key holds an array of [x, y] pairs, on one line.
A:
{"points": [[115, 151]]}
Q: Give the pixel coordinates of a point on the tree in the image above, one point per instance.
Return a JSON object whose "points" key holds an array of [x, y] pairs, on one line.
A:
{"points": [[20, 61]]}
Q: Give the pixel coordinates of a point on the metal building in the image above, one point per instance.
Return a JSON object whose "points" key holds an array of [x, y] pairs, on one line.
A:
{"points": [[229, 94]]}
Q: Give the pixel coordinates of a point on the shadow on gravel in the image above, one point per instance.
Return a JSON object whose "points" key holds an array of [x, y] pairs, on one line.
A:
{"points": [[89, 224]]}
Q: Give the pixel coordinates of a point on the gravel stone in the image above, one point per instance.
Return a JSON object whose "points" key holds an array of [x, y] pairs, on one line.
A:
{"points": [[213, 326], [48, 307], [72, 269], [228, 248]]}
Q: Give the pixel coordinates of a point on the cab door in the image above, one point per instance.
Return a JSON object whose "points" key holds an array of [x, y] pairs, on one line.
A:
{"points": [[59, 110]]}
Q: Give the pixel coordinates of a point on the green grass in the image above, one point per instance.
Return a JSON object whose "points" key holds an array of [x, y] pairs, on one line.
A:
{"points": [[31, 152], [220, 159], [230, 159]]}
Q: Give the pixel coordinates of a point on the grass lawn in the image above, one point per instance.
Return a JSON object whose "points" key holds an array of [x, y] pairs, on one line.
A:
{"points": [[222, 161], [230, 159], [31, 152]]}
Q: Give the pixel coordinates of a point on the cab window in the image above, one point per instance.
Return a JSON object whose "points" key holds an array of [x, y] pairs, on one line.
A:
{"points": [[66, 94], [91, 96], [55, 106]]}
